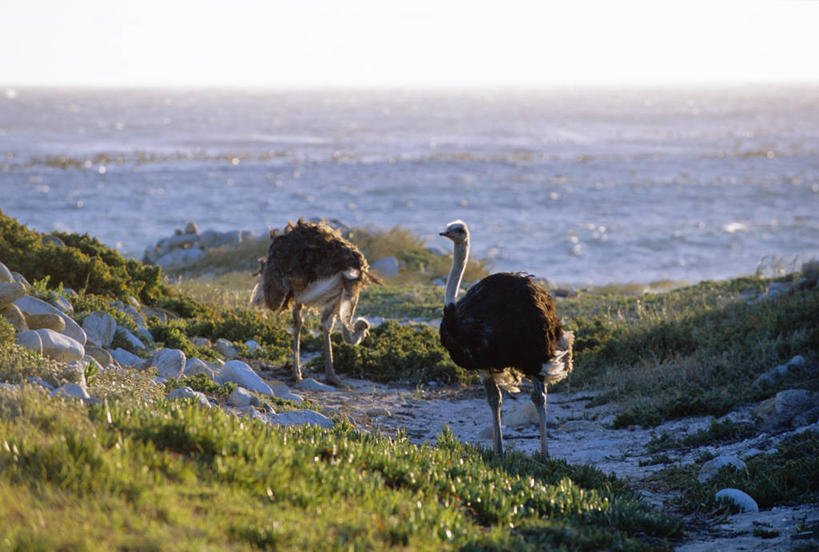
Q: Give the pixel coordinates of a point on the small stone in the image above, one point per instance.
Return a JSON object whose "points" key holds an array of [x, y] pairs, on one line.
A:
{"points": [[170, 363], [32, 305], [739, 498], [311, 384], [60, 347], [73, 390], [252, 346], [133, 341], [238, 372], [281, 391], [188, 393], [47, 320], [240, 397], [100, 328], [195, 366], [99, 354], [226, 348], [710, 469], [15, 316], [301, 417], [10, 292], [5, 274], [127, 358], [30, 340]]}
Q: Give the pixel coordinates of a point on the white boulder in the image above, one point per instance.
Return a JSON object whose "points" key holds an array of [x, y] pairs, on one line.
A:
{"points": [[170, 363], [739, 498], [10, 292], [60, 347], [195, 366], [240, 397], [710, 469], [127, 358], [188, 393], [238, 372], [33, 305], [30, 339], [100, 328], [73, 390]]}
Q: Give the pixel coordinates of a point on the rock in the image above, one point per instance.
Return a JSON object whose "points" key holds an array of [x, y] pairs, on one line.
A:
{"points": [[132, 313], [170, 363], [15, 316], [99, 354], [201, 342], [374, 412], [52, 240], [127, 358], [240, 373], [240, 397], [301, 417], [145, 335], [10, 292], [440, 282], [22, 280], [60, 302], [226, 348], [589, 457], [281, 391], [252, 345], [177, 242], [794, 367], [73, 390], [30, 340], [739, 498], [42, 383], [252, 413], [60, 347], [5, 274], [191, 228], [195, 366], [579, 425], [179, 257], [311, 384], [133, 341], [805, 418], [188, 393], [712, 467], [47, 320], [160, 314], [386, 266], [100, 328], [75, 372], [522, 413], [32, 305], [792, 402]]}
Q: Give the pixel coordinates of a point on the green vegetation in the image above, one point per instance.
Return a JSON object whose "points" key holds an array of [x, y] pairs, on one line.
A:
{"points": [[691, 351], [83, 263], [787, 476], [719, 433], [168, 475]]}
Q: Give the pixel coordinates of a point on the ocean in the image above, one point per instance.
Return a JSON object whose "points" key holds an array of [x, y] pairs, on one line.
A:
{"points": [[583, 187]]}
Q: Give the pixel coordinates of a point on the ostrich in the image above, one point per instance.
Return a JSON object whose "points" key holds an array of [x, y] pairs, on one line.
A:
{"points": [[313, 265], [505, 320]]}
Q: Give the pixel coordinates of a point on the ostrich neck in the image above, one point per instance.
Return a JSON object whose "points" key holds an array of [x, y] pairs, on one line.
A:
{"points": [[453, 282]]}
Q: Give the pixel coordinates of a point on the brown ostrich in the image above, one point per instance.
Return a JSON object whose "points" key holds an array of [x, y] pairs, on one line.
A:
{"points": [[505, 320], [313, 265]]}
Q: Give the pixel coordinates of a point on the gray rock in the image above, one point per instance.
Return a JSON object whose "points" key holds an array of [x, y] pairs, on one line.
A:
{"points": [[794, 367], [386, 266], [75, 372], [589, 457], [133, 341], [281, 391], [42, 383], [73, 390], [195, 366], [311, 384], [240, 397], [252, 413], [301, 417], [32, 305], [180, 257], [60, 347], [522, 413], [201, 342], [30, 339], [5, 274], [191, 228], [791, 403], [10, 292], [188, 393], [99, 354], [16, 318], [22, 280], [226, 348], [238, 372], [100, 327], [170, 363], [440, 282], [710, 469], [211, 239], [61, 303], [178, 242], [739, 498], [126, 358], [252, 345]]}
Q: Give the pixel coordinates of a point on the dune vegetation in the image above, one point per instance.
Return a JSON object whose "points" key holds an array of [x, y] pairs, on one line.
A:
{"points": [[132, 470]]}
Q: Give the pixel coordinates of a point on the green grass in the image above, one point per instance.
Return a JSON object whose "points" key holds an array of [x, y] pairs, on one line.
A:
{"points": [[786, 477], [718, 433], [173, 475]]}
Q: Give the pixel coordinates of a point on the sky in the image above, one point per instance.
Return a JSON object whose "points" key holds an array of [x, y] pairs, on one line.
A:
{"points": [[414, 43]]}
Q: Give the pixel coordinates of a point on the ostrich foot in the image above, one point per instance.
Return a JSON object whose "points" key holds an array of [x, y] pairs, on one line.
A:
{"points": [[337, 381]]}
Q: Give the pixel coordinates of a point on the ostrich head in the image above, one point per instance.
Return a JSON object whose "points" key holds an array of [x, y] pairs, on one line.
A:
{"points": [[359, 332], [456, 231]]}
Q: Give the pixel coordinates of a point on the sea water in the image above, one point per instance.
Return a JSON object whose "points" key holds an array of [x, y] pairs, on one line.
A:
{"points": [[581, 187]]}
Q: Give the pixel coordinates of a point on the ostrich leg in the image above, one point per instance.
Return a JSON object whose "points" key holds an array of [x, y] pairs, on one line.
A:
{"points": [[328, 320], [296, 341], [539, 398], [493, 397]]}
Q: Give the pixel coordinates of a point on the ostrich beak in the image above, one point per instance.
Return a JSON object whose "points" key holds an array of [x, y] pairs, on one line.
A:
{"points": [[445, 234]]}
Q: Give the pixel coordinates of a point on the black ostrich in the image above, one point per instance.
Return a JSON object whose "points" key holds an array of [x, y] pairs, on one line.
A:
{"points": [[504, 321]]}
